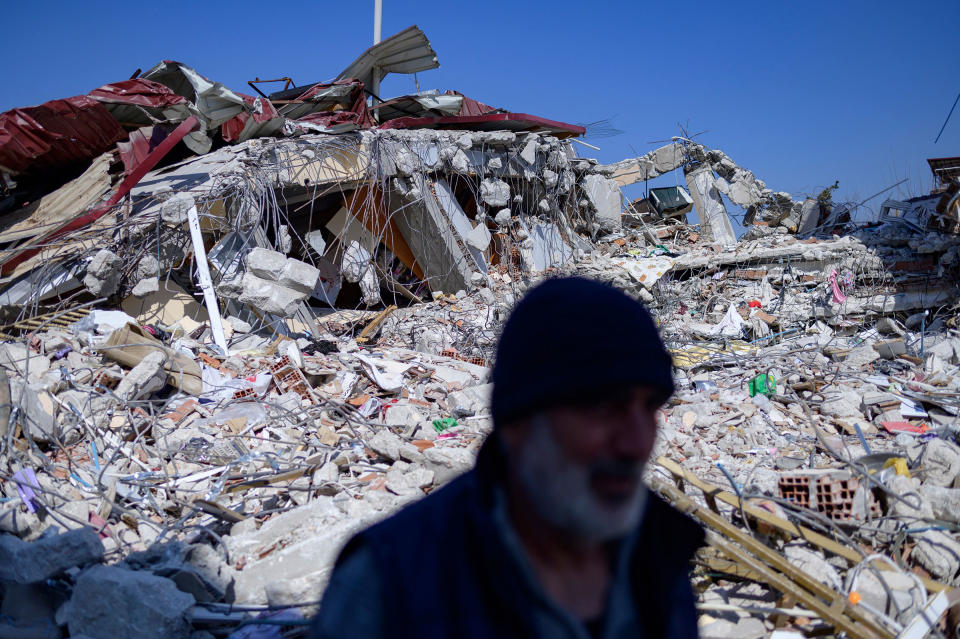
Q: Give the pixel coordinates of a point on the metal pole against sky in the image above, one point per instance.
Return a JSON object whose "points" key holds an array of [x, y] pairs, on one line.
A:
{"points": [[377, 20]]}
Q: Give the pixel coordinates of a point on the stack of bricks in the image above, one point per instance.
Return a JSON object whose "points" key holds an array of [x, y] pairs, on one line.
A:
{"points": [[836, 497], [453, 354], [288, 378], [246, 392], [105, 380], [795, 488], [831, 494]]}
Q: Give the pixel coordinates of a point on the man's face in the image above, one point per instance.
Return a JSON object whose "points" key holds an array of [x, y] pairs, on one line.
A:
{"points": [[581, 465]]}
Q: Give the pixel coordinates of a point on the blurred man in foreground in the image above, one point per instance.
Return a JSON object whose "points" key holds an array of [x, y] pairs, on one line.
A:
{"points": [[553, 534]]}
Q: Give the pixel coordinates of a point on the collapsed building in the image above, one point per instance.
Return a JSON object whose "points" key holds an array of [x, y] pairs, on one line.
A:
{"points": [[237, 329]]}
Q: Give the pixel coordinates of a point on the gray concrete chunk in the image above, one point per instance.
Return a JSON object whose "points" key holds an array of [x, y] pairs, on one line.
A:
{"points": [[266, 263], [110, 602], [31, 562]]}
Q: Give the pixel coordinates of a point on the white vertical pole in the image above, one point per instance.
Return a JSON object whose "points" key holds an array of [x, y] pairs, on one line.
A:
{"points": [[203, 271], [377, 22]]}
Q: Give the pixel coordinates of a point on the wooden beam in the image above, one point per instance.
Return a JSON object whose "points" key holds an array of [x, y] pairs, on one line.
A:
{"points": [[371, 328], [783, 525], [773, 566]]}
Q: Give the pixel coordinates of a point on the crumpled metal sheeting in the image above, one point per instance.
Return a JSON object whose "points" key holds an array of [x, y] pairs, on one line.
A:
{"points": [[56, 136]]}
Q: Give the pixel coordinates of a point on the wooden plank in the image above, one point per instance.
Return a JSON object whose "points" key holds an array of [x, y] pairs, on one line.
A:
{"points": [[783, 525], [808, 590], [784, 585], [371, 328]]}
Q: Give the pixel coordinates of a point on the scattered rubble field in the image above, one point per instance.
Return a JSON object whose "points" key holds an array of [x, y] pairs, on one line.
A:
{"points": [[238, 329]]}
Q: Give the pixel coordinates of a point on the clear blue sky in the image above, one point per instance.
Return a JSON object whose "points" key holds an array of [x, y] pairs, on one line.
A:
{"points": [[802, 93]]}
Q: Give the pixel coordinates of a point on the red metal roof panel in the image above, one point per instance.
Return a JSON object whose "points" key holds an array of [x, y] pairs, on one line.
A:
{"points": [[56, 135]]}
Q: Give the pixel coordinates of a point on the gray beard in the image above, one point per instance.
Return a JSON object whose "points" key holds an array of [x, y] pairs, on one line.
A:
{"points": [[561, 494]]}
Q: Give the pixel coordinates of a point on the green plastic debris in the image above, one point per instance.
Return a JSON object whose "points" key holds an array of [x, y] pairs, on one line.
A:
{"points": [[762, 384], [441, 425]]}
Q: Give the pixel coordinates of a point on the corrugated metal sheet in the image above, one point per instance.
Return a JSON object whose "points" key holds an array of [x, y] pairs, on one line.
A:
{"points": [[58, 207], [406, 52], [518, 122], [431, 104], [56, 135], [138, 91]]}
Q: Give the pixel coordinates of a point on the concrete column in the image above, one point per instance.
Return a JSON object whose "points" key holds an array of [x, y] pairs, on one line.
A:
{"points": [[714, 223]]}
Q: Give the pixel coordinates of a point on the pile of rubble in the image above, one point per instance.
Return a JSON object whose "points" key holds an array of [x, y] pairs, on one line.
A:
{"points": [[237, 330]]}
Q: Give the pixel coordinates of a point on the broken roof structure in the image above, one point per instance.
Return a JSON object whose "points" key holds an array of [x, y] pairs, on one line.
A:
{"points": [[236, 329]]}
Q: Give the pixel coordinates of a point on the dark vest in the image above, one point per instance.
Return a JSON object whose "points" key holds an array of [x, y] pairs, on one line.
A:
{"points": [[447, 573]]}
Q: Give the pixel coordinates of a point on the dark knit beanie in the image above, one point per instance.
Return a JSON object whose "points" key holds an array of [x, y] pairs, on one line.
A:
{"points": [[573, 341]]}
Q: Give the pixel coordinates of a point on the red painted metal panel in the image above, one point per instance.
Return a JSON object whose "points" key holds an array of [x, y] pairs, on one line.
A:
{"points": [[524, 121], [140, 92], [56, 135], [260, 110], [128, 183]]}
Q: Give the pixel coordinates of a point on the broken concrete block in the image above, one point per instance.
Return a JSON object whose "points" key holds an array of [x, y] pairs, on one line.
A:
{"points": [[370, 287], [148, 266], [328, 473], [284, 241], [17, 358], [479, 238], [266, 263], [939, 553], [409, 482], [434, 230], [299, 276], [940, 462], [870, 585], [890, 348], [529, 152], [176, 209], [270, 297], [146, 286], [111, 602], [448, 463], [386, 444], [403, 415], [239, 326], [604, 196], [460, 162], [495, 192], [812, 563], [470, 401], [31, 562], [944, 501], [103, 274], [144, 379], [231, 288], [861, 356], [355, 261], [37, 411], [809, 216], [407, 163]]}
